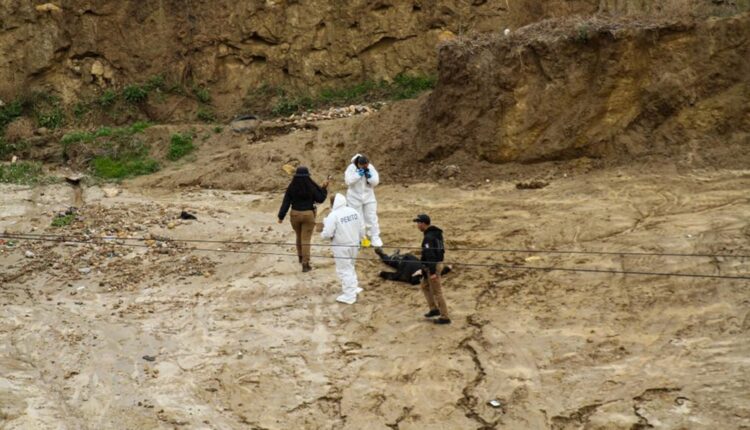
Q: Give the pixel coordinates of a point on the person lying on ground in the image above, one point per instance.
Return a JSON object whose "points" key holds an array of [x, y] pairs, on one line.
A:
{"points": [[408, 267]]}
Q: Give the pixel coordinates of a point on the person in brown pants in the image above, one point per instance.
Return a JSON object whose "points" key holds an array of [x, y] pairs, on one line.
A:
{"points": [[301, 195], [433, 253]]}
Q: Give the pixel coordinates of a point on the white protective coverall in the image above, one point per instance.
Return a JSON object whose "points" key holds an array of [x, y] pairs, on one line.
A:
{"points": [[345, 228], [361, 197]]}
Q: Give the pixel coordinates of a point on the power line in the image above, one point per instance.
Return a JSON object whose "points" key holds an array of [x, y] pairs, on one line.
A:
{"points": [[460, 264], [487, 250]]}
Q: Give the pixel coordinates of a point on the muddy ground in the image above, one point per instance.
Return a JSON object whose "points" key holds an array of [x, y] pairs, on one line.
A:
{"points": [[234, 340]]}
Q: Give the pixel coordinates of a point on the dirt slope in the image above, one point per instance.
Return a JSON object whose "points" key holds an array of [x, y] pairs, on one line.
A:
{"points": [[562, 89]]}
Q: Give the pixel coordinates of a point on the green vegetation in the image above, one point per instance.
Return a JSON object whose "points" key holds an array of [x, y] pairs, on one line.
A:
{"points": [[63, 220], [406, 87], [180, 146], [202, 94], [283, 103], [156, 83], [123, 166], [46, 108], [52, 118], [107, 99], [80, 110], [24, 173], [138, 127], [134, 94], [118, 133], [115, 153], [218, 129], [206, 115], [10, 112], [289, 105], [582, 34], [9, 148]]}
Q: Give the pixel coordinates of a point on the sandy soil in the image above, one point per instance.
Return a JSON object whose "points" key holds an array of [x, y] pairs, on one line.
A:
{"points": [[248, 341]]}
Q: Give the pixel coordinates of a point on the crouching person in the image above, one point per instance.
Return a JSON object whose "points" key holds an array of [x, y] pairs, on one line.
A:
{"points": [[345, 228]]}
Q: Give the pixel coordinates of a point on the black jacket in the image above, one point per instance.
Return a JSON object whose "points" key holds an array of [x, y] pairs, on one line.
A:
{"points": [[302, 204], [433, 248], [406, 265]]}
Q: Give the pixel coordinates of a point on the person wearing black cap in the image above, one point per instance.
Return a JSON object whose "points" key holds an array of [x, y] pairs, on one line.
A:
{"points": [[433, 253], [301, 195]]}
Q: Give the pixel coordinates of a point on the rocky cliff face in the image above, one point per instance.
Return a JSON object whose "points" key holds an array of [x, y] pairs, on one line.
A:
{"points": [[229, 45], [599, 87], [232, 46]]}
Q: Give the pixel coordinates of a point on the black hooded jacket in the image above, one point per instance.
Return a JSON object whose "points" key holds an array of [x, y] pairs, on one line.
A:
{"points": [[302, 200], [433, 248]]}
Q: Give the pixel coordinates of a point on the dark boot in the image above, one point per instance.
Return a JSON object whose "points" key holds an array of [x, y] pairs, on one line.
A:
{"points": [[432, 313], [442, 320], [306, 267]]}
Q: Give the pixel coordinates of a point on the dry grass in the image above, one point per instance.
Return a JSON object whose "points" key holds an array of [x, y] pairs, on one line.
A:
{"points": [[19, 130], [612, 20], [576, 28]]}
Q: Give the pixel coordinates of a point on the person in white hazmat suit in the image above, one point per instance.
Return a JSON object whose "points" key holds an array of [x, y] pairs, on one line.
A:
{"points": [[345, 228], [361, 177]]}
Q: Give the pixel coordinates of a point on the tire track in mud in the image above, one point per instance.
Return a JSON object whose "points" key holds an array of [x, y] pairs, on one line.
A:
{"points": [[580, 417], [671, 204], [44, 393], [405, 414], [670, 200], [469, 401]]}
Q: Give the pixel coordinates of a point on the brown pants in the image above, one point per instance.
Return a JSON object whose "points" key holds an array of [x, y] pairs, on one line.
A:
{"points": [[433, 291], [303, 223]]}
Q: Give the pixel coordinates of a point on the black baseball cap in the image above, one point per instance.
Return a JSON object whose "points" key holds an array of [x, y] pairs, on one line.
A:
{"points": [[423, 218], [362, 160]]}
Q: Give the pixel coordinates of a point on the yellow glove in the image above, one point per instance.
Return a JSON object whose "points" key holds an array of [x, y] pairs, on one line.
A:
{"points": [[365, 242]]}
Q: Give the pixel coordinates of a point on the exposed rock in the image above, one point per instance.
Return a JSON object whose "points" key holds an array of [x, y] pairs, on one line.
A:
{"points": [[245, 125], [450, 171], [111, 192], [241, 46], [571, 88], [48, 7], [97, 68], [288, 169]]}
